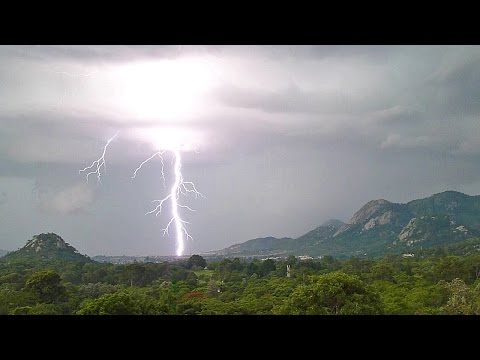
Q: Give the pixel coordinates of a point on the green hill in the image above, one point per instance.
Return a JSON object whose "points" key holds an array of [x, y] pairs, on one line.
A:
{"points": [[462, 208], [265, 245], [45, 248], [381, 226]]}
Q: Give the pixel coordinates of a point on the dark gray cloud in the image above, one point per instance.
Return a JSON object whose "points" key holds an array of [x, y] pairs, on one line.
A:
{"points": [[290, 136]]}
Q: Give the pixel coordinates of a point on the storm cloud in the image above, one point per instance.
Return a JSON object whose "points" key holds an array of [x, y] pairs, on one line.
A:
{"points": [[290, 136], [65, 201]]}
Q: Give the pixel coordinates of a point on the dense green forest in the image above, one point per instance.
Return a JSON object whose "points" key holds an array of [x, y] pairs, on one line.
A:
{"points": [[442, 280]]}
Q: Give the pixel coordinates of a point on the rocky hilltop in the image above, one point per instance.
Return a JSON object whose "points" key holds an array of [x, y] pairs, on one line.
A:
{"points": [[46, 246], [381, 226]]}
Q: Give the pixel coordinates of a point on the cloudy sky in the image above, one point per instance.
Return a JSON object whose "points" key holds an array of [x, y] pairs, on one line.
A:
{"points": [[278, 138]]}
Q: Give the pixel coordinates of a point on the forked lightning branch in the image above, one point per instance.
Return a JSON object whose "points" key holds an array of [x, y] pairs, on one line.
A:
{"points": [[179, 187]]}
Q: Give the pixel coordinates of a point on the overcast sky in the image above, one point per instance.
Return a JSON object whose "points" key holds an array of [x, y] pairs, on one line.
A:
{"points": [[278, 138]]}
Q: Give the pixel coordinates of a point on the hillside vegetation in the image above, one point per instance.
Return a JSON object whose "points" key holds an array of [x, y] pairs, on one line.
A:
{"points": [[440, 280]]}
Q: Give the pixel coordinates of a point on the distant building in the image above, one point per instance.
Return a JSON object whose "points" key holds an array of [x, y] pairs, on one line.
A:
{"points": [[305, 257]]}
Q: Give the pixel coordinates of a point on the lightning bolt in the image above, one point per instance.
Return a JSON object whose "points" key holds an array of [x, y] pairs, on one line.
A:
{"points": [[180, 186], [159, 154], [96, 166]]}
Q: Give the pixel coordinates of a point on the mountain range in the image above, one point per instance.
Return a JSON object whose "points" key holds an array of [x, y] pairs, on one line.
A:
{"points": [[379, 227]]}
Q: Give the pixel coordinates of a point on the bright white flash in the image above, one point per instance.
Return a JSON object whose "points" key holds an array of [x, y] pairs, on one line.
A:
{"points": [[96, 166]]}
